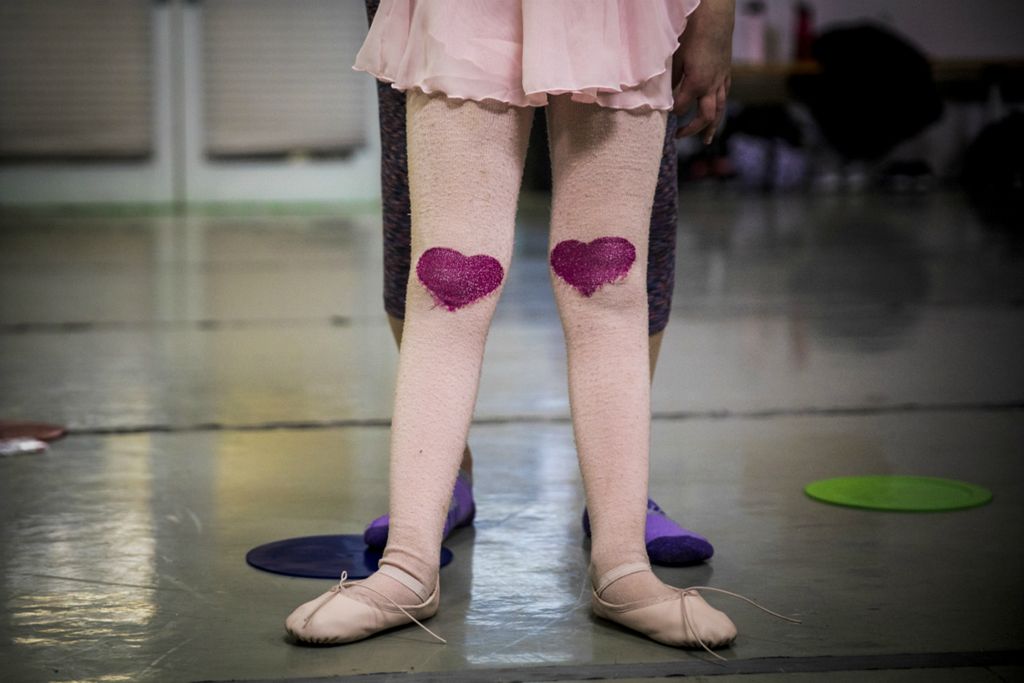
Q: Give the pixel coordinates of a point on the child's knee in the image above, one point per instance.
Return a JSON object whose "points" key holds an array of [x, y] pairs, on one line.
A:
{"points": [[456, 281], [605, 273]]}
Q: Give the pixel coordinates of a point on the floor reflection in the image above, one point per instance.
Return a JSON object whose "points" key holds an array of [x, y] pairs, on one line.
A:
{"points": [[527, 565], [228, 381], [80, 564]]}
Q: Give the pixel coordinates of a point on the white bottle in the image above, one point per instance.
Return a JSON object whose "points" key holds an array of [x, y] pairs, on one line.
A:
{"points": [[751, 27]]}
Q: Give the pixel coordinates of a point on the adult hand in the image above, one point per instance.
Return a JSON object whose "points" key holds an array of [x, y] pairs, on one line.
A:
{"points": [[700, 67]]}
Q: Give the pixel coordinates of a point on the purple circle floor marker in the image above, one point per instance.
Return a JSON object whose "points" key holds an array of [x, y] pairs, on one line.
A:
{"points": [[321, 557]]}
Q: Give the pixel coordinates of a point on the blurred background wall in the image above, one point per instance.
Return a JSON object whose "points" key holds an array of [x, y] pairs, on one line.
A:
{"points": [[254, 100], [942, 28], [135, 100]]}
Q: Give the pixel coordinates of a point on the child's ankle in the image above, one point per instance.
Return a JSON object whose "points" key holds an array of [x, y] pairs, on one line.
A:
{"points": [[387, 585]]}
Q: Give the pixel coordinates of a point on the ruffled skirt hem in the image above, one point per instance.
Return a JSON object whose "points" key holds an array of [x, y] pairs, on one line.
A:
{"points": [[591, 95], [613, 53]]}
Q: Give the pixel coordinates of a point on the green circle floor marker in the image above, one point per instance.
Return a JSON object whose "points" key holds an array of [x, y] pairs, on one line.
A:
{"points": [[899, 493]]}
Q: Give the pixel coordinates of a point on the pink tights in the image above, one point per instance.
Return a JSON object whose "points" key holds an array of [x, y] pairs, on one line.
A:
{"points": [[465, 168]]}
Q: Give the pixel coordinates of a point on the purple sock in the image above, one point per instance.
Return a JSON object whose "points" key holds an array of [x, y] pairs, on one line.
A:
{"points": [[668, 543], [460, 513]]}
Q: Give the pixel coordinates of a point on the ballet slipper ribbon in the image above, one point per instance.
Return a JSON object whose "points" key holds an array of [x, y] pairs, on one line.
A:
{"points": [[338, 588], [686, 621]]}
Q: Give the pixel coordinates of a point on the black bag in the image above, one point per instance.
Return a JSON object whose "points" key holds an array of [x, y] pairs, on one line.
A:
{"points": [[993, 173], [874, 91]]}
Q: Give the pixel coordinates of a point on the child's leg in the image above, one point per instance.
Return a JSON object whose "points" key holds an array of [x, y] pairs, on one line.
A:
{"points": [[605, 167], [395, 215], [465, 170], [668, 543]]}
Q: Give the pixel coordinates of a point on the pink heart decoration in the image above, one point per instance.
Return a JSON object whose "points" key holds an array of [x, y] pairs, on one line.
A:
{"points": [[587, 266], [455, 280]]}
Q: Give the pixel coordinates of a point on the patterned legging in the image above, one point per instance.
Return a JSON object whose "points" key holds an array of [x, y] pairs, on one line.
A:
{"points": [[396, 213]]}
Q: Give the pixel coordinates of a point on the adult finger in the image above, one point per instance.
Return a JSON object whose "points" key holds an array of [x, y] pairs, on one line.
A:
{"points": [[709, 132], [720, 101], [704, 116], [683, 99]]}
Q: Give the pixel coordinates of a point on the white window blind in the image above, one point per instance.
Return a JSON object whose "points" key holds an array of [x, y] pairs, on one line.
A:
{"points": [[75, 79], [277, 77]]}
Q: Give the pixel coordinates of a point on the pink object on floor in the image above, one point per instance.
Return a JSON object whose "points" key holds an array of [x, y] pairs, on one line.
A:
{"points": [[615, 53], [44, 431]]}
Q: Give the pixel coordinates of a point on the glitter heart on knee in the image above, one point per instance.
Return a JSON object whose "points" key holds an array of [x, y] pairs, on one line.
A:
{"points": [[455, 280], [589, 265]]}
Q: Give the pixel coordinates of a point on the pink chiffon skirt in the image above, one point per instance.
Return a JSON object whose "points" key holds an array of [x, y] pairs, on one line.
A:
{"points": [[614, 53]]}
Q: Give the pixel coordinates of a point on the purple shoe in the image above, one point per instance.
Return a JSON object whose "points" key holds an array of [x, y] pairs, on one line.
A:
{"points": [[668, 544], [461, 512]]}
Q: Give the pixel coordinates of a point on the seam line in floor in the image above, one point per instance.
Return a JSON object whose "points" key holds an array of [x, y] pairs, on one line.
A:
{"points": [[657, 416], [717, 309]]}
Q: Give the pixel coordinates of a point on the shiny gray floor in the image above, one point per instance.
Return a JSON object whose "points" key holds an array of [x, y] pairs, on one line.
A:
{"points": [[228, 381]]}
